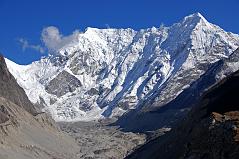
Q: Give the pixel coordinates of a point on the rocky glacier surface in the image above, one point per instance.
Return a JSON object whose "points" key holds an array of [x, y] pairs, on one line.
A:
{"points": [[107, 72]]}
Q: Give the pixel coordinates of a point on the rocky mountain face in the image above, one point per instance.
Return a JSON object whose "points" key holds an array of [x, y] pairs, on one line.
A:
{"points": [[211, 130], [107, 72], [24, 132], [63, 83], [163, 117]]}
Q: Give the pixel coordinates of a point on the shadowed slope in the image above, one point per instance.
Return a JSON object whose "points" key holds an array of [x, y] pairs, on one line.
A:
{"points": [[9, 89], [211, 130]]}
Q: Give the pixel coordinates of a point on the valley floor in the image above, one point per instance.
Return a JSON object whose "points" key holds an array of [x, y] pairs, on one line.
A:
{"points": [[99, 141]]}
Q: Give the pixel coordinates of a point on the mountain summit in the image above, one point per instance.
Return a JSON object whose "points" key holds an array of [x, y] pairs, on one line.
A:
{"points": [[106, 72]]}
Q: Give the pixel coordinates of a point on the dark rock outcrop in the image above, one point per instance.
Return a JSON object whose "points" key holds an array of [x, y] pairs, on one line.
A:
{"points": [[211, 130], [4, 114], [10, 90], [63, 83]]}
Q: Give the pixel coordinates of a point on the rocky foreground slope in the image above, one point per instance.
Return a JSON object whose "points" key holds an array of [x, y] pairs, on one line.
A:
{"points": [[24, 132], [10, 90], [211, 130]]}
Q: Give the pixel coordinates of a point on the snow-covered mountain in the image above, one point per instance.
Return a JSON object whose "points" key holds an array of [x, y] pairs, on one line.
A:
{"points": [[105, 72]]}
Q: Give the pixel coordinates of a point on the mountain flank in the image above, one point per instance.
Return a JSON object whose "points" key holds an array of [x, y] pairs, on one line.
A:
{"points": [[211, 130], [24, 132]]}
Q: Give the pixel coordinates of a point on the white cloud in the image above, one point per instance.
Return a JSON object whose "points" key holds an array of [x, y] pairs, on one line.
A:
{"points": [[54, 40], [25, 45]]}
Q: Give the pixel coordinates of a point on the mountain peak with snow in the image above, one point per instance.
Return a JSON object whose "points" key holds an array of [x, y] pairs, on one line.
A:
{"points": [[192, 21], [195, 18], [196, 15], [123, 69]]}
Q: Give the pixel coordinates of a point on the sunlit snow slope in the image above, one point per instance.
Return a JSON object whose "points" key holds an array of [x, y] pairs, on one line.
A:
{"points": [[106, 72]]}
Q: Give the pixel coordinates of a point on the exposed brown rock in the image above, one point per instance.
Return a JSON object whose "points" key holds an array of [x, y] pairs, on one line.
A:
{"points": [[9, 89]]}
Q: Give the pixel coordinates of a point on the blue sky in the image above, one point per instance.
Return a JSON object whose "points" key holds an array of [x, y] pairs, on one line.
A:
{"points": [[22, 21]]}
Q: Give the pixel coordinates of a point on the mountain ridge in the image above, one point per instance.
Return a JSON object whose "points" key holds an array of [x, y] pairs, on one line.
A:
{"points": [[126, 69], [163, 117]]}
